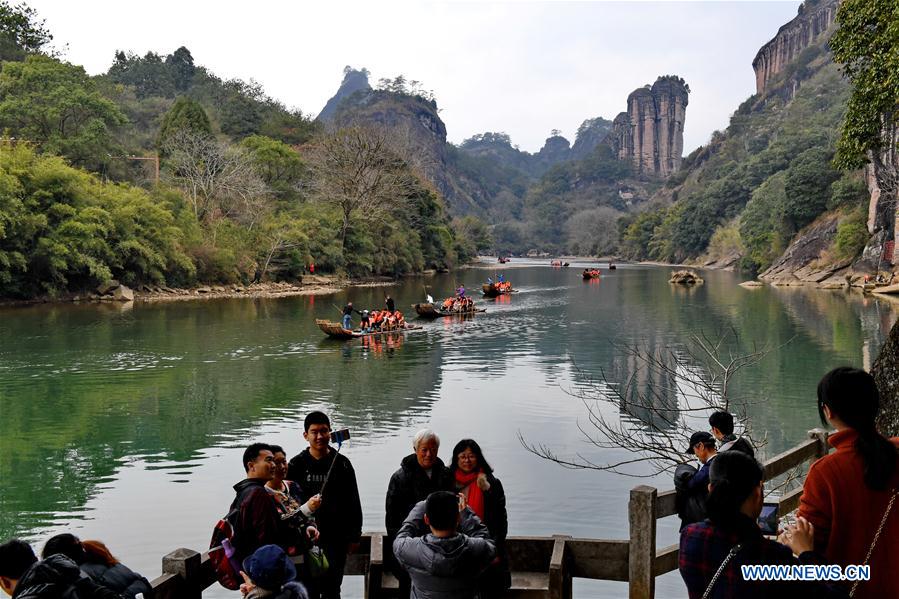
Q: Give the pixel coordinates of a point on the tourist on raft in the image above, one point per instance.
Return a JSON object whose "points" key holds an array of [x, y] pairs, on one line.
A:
{"points": [[95, 560], [712, 552], [365, 320], [390, 304], [484, 494], [460, 292], [851, 496], [348, 316], [420, 474]]}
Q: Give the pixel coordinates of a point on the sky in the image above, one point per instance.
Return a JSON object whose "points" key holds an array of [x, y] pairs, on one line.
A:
{"points": [[523, 67]]}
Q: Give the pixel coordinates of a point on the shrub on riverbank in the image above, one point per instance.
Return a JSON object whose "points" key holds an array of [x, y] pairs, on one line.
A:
{"points": [[62, 229]]}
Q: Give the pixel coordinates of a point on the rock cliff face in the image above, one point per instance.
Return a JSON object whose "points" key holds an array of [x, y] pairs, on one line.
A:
{"points": [[886, 373], [882, 174], [815, 18], [650, 135], [353, 81]]}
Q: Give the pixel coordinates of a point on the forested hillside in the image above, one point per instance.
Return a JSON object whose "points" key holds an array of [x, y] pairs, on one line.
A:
{"points": [[246, 188]]}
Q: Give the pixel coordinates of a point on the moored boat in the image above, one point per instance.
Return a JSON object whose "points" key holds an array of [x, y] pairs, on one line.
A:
{"points": [[335, 330]]}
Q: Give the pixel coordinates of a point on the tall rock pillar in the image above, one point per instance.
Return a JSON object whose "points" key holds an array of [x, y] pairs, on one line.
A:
{"points": [[650, 135]]}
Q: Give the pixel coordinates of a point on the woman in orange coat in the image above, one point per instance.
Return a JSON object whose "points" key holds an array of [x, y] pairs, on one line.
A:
{"points": [[853, 494]]}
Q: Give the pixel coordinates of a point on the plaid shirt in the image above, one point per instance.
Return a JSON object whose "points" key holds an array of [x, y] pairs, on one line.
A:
{"points": [[704, 546]]}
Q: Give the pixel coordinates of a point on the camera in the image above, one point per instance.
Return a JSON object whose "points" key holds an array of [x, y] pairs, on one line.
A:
{"points": [[340, 436]]}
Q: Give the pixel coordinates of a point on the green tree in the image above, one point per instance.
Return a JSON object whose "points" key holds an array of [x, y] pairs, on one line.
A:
{"points": [[181, 67], [278, 164], [21, 31], [852, 235], [56, 105], [867, 44], [185, 114], [849, 190], [149, 75], [807, 186]]}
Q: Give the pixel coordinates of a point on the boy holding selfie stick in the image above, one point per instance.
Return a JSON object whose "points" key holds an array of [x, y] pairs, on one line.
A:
{"points": [[322, 469]]}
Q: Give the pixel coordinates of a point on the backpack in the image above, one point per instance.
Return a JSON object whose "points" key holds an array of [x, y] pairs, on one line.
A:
{"points": [[221, 548]]}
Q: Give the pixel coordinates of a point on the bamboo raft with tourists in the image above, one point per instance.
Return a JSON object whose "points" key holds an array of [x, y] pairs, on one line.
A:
{"points": [[496, 289], [335, 330], [454, 308], [590, 274]]}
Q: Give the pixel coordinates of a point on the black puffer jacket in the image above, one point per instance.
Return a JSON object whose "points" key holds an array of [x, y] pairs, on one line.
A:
{"points": [[690, 504], [120, 578], [409, 485], [58, 577]]}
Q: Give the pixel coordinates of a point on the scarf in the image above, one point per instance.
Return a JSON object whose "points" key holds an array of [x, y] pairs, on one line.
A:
{"points": [[475, 495]]}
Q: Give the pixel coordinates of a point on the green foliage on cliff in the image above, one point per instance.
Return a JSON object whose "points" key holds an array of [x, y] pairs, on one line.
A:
{"points": [[867, 45], [852, 235], [771, 168]]}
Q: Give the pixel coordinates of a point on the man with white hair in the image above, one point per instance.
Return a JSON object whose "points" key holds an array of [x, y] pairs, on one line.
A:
{"points": [[419, 475]]}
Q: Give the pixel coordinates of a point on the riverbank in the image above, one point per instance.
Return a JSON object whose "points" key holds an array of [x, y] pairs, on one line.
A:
{"points": [[115, 292]]}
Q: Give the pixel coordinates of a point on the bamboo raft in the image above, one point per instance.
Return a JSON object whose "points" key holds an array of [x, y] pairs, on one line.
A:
{"points": [[491, 290], [426, 310], [335, 330], [591, 274]]}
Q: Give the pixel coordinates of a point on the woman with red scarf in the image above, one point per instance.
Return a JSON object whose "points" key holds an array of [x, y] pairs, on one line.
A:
{"points": [[485, 496]]}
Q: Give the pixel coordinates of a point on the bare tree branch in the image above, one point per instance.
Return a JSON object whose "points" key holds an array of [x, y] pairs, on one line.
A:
{"points": [[666, 396]]}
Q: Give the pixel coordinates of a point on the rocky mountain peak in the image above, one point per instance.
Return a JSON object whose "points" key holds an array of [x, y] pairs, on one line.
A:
{"points": [[354, 80], [814, 19]]}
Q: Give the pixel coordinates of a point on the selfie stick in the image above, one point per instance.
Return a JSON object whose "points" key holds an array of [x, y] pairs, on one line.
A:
{"points": [[331, 467]]}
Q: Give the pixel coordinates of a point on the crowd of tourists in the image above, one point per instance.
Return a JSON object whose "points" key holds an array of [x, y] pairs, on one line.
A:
{"points": [[292, 523], [848, 511]]}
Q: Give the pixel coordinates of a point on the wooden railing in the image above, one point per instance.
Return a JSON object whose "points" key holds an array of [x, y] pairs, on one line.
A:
{"points": [[542, 567]]}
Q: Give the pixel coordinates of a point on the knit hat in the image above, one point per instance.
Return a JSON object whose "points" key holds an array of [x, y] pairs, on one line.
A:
{"points": [[270, 568]]}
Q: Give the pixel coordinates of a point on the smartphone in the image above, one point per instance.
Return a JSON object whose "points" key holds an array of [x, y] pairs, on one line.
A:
{"points": [[340, 436], [768, 518]]}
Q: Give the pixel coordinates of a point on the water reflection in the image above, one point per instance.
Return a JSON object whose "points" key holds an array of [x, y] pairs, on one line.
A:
{"points": [[108, 413]]}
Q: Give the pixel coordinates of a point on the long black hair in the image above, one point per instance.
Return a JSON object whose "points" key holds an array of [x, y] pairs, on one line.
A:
{"points": [[66, 544], [475, 449], [851, 395], [733, 476]]}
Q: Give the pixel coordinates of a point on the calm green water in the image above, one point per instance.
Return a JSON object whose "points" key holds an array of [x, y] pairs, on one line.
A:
{"points": [[127, 423]]}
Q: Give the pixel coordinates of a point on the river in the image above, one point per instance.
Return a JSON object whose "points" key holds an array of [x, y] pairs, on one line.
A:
{"points": [[126, 423]]}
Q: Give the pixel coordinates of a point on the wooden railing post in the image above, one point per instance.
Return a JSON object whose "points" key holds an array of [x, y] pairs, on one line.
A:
{"points": [[821, 435], [185, 564], [642, 551], [375, 567], [559, 573]]}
